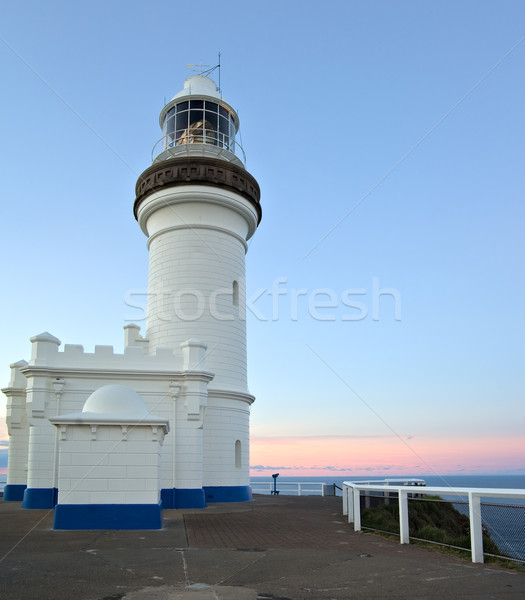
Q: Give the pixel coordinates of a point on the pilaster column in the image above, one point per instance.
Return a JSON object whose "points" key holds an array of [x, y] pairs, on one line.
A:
{"points": [[18, 429]]}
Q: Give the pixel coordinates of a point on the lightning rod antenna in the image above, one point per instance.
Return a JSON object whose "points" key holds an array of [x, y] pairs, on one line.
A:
{"points": [[220, 91]]}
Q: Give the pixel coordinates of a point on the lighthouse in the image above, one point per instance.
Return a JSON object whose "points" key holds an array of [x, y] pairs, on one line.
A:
{"points": [[198, 207], [109, 439]]}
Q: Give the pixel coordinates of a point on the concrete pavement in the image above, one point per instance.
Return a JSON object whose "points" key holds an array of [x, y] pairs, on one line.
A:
{"points": [[273, 548]]}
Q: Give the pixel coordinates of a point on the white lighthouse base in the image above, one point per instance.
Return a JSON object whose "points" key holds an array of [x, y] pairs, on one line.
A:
{"points": [[203, 459]]}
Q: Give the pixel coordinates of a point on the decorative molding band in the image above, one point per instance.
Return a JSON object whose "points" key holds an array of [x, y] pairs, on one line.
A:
{"points": [[230, 395], [204, 376], [238, 238], [90, 373], [201, 171], [12, 391]]}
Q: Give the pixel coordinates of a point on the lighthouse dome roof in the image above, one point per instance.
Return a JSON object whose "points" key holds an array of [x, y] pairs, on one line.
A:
{"points": [[115, 399], [198, 85]]}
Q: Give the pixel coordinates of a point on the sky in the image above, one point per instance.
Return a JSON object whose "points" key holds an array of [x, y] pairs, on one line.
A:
{"points": [[385, 284]]}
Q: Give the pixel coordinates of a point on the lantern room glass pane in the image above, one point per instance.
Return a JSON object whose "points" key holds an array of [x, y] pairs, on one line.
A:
{"points": [[196, 116], [211, 118], [182, 126], [168, 128], [169, 124], [231, 146], [224, 132], [196, 103], [210, 124], [195, 127], [182, 106], [195, 131], [224, 126], [182, 121]]}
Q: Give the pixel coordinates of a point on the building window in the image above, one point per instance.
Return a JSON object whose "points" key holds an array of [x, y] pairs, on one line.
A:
{"points": [[235, 293], [238, 454]]}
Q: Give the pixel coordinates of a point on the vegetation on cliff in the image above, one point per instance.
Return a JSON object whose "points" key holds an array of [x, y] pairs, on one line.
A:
{"points": [[430, 519]]}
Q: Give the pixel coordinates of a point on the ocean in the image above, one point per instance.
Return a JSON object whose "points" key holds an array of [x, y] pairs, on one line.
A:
{"points": [[452, 481]]}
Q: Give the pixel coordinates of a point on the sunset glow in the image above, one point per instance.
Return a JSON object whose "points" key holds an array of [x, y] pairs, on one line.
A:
{"points": [[383, 455]]}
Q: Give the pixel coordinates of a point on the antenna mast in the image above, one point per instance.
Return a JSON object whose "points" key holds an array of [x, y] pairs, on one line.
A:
{"points": [[206, 72], [219, 65]]}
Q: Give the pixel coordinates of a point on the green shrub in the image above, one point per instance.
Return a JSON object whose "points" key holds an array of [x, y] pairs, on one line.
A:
{"points": [[430, 519]]}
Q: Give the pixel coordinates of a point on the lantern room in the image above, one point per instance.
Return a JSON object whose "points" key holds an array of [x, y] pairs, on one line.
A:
{"points": [[198, 121]]}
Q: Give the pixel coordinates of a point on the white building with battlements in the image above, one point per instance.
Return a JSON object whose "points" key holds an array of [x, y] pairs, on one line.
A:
{"points": [[111, 439]]}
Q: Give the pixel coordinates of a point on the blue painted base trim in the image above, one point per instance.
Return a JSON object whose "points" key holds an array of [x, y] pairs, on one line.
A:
{"points": [[167, 498], [14, 492], [40, 498], [234, 493], [182, 498], [198, 498], [108, 516], [189, 498]]}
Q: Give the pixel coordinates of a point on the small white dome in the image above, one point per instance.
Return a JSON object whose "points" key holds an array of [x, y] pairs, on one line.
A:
{"points": [[115, 399], [199, 85]]}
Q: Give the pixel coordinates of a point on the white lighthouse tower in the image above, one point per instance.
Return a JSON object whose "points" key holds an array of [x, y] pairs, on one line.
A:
{"points": [[198, 206], [108, 439]]}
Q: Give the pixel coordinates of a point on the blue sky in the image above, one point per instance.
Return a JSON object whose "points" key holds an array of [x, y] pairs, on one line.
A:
{"points": [[387, 138]]}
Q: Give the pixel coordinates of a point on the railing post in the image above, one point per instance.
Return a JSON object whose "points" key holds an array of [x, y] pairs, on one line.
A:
{"points": [[403, 517], [476, 530], [345, 499], [350, 503], [357, 509], [298, 489]]}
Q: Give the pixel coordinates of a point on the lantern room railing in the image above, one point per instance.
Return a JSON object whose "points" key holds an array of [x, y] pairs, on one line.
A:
{"points": [[186, 138]]}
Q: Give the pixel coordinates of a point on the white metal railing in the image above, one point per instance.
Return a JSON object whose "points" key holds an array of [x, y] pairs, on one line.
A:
{"points": [[298, 488], [352, 507], [209, 137], [397, 481]]}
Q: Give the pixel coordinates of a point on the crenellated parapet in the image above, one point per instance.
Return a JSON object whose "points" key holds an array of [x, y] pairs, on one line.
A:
{"points": [[46, 355]]}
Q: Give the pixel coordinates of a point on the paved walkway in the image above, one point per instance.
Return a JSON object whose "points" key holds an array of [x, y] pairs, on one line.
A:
{"points": [[270, 549]]}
